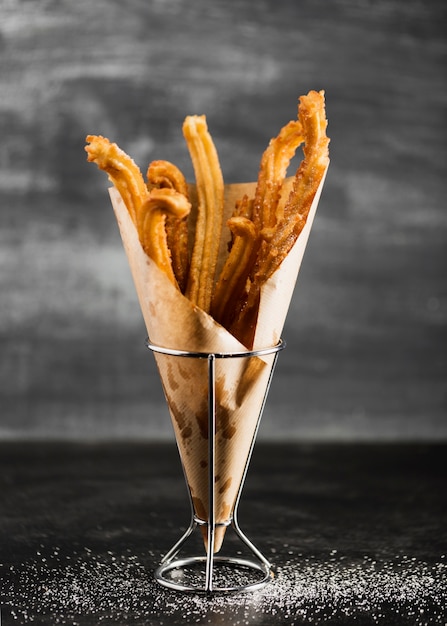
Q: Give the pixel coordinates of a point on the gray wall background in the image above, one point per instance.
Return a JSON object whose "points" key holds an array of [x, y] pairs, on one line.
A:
{"points": [[366, 332]]}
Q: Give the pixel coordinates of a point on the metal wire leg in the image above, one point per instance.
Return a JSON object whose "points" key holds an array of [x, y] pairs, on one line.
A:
{"points": [[211, 471], [178, 546]]}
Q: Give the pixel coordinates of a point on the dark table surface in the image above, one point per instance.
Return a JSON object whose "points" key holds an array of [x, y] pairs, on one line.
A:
{"points": [[357, 534]]}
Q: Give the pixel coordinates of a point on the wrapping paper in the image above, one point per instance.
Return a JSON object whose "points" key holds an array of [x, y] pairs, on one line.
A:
{"points": [[172, 321]]}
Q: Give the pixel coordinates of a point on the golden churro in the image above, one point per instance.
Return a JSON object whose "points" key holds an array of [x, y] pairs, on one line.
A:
{"points": [[263, 228], [122, 170], [210, 192], [164, 174], [274, 249], [151, 225], [273, 169], [233, 277]]}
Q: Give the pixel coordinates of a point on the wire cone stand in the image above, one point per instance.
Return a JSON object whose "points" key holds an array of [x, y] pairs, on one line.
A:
{"points": [[212, 573]]}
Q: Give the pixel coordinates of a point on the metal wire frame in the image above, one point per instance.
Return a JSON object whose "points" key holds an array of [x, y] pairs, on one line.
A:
{"points": [[259, 564]]}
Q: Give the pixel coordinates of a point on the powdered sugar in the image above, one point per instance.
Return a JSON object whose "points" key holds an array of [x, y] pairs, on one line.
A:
{"points": [[111, 588]]}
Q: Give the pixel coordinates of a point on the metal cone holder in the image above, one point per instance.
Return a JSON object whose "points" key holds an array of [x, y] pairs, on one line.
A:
{"points": [[256, 569]]}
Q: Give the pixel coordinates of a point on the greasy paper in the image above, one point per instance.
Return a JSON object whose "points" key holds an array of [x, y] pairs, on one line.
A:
{"points": [[172, 321]]}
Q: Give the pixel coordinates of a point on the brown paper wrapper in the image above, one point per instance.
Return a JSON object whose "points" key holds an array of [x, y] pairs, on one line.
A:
{"points": [[173, 322]]}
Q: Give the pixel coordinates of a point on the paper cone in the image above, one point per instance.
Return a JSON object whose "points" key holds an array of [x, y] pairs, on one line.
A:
{"points": [[173, 322], [240, 388]]}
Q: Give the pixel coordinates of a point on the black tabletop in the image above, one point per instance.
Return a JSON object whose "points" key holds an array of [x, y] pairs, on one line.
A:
{"points": [[357, 534]]}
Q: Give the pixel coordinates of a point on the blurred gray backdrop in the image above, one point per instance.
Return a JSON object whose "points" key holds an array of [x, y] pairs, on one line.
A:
{"points": [[366, 331]]}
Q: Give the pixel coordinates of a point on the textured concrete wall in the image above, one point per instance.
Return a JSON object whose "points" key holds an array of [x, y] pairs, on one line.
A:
{"points": [[366, 331]]}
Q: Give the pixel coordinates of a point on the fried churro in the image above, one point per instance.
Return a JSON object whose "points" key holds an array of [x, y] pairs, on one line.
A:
{"points": [[263, 228], [210, 192], [164, 174]]}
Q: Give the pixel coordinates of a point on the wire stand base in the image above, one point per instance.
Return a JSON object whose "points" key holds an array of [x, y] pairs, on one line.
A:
{"points": [[215, 573], [211, 572]]}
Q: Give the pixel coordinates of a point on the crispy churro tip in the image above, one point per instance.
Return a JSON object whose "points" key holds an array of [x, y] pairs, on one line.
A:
{"points": [[121, 169]]}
